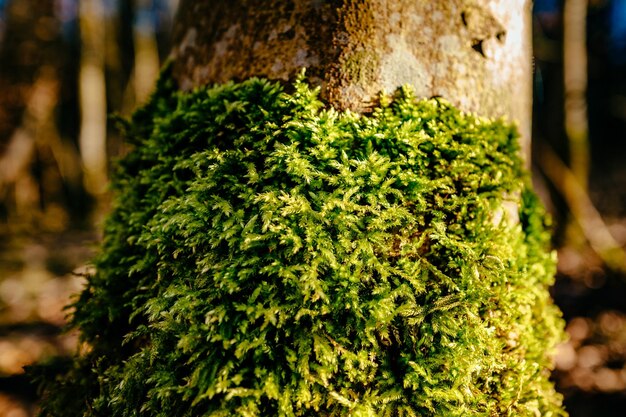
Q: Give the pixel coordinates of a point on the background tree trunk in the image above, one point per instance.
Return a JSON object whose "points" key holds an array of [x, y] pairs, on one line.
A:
{"points": [[475, 54]]}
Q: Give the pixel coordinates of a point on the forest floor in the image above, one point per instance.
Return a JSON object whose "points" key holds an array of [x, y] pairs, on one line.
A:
{"points": [[591, 365], [39, 273]]}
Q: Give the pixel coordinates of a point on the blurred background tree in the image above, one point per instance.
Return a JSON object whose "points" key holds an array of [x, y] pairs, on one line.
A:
{"points": [[65, 65], [578, 150]]}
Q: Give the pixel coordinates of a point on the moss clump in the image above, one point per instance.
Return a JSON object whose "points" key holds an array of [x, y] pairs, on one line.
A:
{"points": [[269, 256]]}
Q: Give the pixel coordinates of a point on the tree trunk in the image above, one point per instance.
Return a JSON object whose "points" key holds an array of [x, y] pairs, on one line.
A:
{"points": [[475, 54]]}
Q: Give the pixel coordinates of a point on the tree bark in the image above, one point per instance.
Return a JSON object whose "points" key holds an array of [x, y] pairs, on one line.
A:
{"points": [[475, 54]]}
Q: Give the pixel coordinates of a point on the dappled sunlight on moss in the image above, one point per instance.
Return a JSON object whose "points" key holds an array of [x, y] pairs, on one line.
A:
{"points": [[268, 255]]}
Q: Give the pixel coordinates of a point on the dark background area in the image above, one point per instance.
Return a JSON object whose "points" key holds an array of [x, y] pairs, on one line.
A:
{"points": [[67, 64], [591, 284]]}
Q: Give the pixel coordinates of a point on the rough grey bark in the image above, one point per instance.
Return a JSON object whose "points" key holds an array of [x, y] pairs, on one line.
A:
{"points": [[476, 54]]}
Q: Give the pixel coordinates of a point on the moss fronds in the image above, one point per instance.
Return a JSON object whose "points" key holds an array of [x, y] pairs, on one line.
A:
{"points": [[270, 256]]}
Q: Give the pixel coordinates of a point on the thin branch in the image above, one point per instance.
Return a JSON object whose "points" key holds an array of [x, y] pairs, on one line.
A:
{"points": [[582, 208]]}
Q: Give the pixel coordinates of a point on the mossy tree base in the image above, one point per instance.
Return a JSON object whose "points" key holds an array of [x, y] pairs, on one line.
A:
{"points": [[477, 54], [270, 256]]}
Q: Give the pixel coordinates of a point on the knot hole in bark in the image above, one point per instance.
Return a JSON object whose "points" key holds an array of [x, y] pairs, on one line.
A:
{"points": [[481, 26]]}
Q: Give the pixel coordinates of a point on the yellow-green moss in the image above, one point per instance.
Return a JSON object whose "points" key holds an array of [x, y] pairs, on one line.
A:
{"points": [[269, 256]]}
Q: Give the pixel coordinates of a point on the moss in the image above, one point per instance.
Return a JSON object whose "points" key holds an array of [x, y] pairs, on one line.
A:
{"points": [[270, 256], [361, 66]]}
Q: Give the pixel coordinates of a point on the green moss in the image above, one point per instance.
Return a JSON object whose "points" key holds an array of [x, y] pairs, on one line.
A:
{"points": [[360, 66], [269, 256]]}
